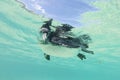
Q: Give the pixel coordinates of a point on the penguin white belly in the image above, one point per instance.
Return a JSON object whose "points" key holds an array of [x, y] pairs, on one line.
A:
{"points": [[58, 51]]}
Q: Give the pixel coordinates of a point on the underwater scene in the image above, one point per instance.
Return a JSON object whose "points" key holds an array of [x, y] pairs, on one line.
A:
{"points": [[22, 55]]}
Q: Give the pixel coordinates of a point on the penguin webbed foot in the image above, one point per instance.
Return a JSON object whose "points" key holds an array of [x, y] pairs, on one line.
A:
{"points": [[47, 57], [81, 56]]}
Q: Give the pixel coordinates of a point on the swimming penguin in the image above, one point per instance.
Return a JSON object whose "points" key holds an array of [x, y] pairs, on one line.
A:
{"points": [[59, 40]]}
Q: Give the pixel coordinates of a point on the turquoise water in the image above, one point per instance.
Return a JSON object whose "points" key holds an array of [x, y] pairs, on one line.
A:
{"points": [[22, 59]]}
